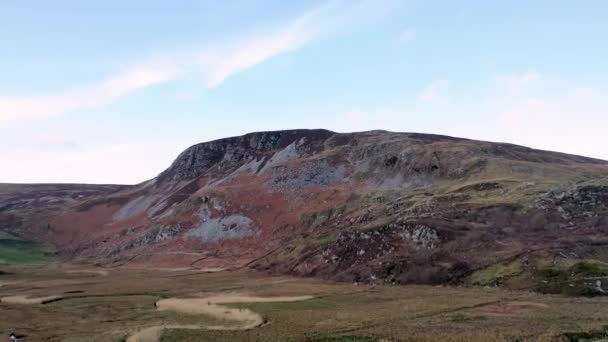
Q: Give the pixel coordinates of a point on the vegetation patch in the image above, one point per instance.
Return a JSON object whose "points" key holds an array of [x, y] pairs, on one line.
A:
{"points": [[582, 278], [346, 339], [312, 304], [462, 318], [595, 335], [22, 252], [325, 240], [495, 275]]}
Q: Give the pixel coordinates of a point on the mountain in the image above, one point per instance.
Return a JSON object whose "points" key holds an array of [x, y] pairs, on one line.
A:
{"points": [[365, 207]]}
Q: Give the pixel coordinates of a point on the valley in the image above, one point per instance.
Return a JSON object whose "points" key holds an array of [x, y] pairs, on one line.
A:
{"points": [[141, 305], [312, 235]]}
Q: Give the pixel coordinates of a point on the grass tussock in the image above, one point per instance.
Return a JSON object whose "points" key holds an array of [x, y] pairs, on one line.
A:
{"points": [[99, 309], [578, 278], [495, 275], [595, 335], [346, 339]]}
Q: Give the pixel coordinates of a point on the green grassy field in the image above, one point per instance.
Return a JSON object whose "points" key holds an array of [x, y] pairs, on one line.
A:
{"points": [[14, 251]]}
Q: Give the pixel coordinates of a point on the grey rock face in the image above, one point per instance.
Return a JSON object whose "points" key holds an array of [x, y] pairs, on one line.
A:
{"points": [[598, 286], [313, 173], [134, 207], [224, 228], [581, 202], [421, 235], [168, 233], [230, 153]]}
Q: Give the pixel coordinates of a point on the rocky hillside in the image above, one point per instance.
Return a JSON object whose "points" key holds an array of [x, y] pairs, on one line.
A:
{"points": [[27, 209], [365, 207]]}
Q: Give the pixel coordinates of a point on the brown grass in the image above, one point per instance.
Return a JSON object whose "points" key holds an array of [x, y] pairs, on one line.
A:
{"points": [[113, 307]]}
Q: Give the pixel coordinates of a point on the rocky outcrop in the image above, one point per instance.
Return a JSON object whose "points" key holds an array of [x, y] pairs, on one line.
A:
{"points": [[577, 206], [230, 153], [367, 207]]}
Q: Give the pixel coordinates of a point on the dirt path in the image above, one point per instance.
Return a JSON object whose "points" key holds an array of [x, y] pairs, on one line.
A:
{"points": [[99, 272], [201, 270], [7, 283], [28, 300], [241, 319]]}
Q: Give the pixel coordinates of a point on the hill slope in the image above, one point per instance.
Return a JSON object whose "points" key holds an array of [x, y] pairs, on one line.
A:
{"points": [[370, 207]]}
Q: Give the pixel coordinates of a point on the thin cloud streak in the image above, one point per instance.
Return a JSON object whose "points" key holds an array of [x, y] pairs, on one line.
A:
{"points": [[571, 121], [433, 91], [215, 63], [407, 36], [517, 83], [105, 92]]}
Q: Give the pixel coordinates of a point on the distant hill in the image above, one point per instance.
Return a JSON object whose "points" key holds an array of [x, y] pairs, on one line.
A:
{"points": [[367, 207]]}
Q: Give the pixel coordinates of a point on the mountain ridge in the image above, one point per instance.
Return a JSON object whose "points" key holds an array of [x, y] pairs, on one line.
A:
{"points": [[372, 206]]}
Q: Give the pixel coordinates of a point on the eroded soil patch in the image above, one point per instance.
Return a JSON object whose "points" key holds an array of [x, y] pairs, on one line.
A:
{"points": [[239, 319], [29, 300], [98, 272]]}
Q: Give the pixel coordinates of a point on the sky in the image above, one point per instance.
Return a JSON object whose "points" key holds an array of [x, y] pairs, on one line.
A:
{"points": [[112, 91]]}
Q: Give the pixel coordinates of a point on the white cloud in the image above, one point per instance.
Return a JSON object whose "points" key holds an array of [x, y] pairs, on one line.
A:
{"points": [[46, 141], [357, 120], [407, 36], [222, 62], [105, 92], [116, 163], [217, 63], [570, 120], [565, 119], [433, 91], [516, 83], [353, 115], [138, 77]]}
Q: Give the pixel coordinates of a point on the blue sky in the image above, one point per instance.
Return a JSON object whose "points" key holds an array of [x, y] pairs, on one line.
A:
{"points": [[112, 91]]}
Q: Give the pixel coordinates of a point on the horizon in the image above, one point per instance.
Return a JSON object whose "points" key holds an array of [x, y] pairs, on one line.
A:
{"points": [[295, 129], [111, 93]]}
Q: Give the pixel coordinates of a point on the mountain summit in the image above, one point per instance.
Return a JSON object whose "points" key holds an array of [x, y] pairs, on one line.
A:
{"points": [[367, 207]]}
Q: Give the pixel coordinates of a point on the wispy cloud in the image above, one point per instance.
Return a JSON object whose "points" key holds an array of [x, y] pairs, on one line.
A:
{"points": [[102, 93], [220, 63], [53, 141], [433, 91], [407, 36], [572, 121], [141, 160], [564, 117], [217, 63], [516, 83], [353, 116], [356, 120]]}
